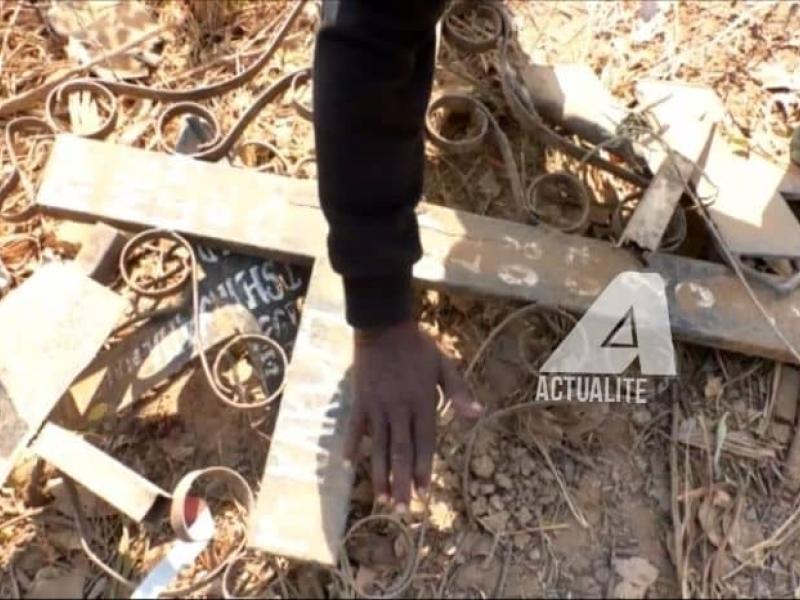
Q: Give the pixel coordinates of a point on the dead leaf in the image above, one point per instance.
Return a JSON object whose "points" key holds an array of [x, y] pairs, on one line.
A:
{"points": [[710, 518], [637, 574], [442, 516], [98, 412], [92, 28], [497, 522], [476, 574], [743, 534]]}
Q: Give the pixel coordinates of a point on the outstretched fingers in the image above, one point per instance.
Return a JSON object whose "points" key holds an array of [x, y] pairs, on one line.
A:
{"points": [[402, 456]]}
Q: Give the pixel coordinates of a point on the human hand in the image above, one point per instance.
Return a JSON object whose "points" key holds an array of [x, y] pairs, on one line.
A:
{"points": [[396, 371]]}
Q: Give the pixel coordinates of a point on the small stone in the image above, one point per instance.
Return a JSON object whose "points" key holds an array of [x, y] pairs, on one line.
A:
{"points": [[487, 489], [535, 554], [569, 470], [504, 481], [521, 540], [450, 480], [497, 522], [527, 466], [547, 475], [594, 590], [584, 583], [474, 488], [642, 416], [480, 507], [524, 516], [518, 452], [482, 466], [496, 502], [483, 441], [548, 498]]}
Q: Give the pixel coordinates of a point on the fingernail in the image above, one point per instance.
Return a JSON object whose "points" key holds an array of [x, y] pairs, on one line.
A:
{"points": [[382, 499], [348, 464], [401, 508]]}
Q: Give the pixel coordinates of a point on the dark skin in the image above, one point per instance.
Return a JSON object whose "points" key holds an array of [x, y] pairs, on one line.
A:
{"points": [[396, 373]]}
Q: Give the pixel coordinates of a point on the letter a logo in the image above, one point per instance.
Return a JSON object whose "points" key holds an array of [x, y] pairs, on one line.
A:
{"points": [[629, 319]]}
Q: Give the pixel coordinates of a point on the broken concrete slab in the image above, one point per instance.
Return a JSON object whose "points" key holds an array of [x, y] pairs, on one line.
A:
{"points": [[301, 508], [52, 326], [462, 251], [121, 487]]}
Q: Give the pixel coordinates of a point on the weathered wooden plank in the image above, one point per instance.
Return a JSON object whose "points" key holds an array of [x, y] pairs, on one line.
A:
{"points": [[688, 115], [50, 328], [5, 277], [786, 394], [99, 253], [749, 209], [279, 216], [121, 487], [272, 215], [648, 223], [302, 503]]}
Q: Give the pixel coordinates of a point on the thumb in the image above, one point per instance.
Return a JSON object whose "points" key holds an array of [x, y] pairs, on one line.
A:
{"points": [[456, 390]]}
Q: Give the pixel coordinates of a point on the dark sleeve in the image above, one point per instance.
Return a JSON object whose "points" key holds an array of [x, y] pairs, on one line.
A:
{"points": [[373, 68]]}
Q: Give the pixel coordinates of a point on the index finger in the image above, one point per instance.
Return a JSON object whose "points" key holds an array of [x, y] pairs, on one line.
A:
{"points": [[402, 454]]}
